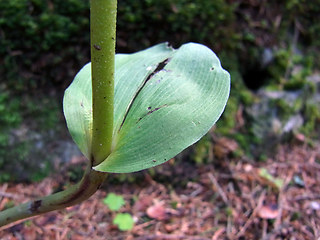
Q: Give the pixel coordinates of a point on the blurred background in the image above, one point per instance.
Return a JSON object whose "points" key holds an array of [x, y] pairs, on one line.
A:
{"points": [[269, 47]]}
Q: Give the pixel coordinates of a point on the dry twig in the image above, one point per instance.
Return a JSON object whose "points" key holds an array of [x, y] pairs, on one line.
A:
{"points": [[217, 186]]}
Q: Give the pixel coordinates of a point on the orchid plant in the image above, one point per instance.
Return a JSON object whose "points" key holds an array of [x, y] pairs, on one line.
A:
{"points": [[129, 112]]}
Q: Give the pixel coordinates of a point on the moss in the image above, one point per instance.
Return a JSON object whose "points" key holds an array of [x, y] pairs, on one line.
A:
{"points": [[294, 84], [239, 95], [297, 105], [279, 66], [75, 173], [13, 162], [201, 150], [9, 111], [246, 97], [45, 115], [227, 121], [238, 153], [285, 110], [32, 32], [298, 78], [263, 158], [311, 87], [26, 125], [10, 117], [290, 70], [43, 171], [183, 22], [273, 87], [312, 120], [245, 141]]}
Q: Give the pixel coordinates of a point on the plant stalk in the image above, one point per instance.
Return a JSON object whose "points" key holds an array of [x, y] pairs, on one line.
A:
{"points": [[88, 185], [103, 35]]}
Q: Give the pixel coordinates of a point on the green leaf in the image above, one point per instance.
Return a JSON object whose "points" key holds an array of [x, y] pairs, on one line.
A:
{"points": [[124, 221], [77, 101], [113, 201], [77, 107], [165, 100], [277, 182]]}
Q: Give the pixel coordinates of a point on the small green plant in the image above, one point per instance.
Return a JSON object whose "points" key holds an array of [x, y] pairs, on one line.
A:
{"points": [[124, 221], [276, 182], [113, 201], [129, 112]]}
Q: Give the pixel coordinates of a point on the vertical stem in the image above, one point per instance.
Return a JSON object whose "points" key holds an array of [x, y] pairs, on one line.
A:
{"points": [[103, 34], [103, 30]]}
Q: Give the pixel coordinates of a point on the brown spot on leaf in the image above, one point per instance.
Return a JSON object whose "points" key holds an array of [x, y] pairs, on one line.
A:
{"points": [[151, 111], [159, 67], [97, 47]]}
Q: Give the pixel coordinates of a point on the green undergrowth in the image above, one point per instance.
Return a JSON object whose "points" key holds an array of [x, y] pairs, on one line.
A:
{"points": [[124, 221], [9, 118], [42, 44], [36, 37], [201, 151], [240, 96], [290, 69], [290, 72], [312, 116], [177, 21], [27, 125]]}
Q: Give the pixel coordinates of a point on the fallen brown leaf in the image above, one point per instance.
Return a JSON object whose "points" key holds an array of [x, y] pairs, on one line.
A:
{"points": [[269, 211], [157, 211]]}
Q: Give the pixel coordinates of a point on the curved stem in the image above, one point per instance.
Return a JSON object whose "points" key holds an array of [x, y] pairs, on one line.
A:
{"points": [[103, 34], [88, 185], [103, 29]]}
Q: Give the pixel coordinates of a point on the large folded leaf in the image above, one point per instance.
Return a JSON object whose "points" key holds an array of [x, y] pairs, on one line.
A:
{"points": [[77, 102], [77, 107], [165, 100]]}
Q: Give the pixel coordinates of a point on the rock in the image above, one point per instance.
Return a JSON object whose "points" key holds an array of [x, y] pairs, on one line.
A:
{"points": [[293, 124], [275, 115]]}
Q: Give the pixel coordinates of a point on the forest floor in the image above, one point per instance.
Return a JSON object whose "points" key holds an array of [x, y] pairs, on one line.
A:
{"points": [[231, 198]]}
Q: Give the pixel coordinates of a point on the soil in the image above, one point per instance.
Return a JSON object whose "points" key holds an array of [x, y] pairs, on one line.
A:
{"points": [[231, 198]]}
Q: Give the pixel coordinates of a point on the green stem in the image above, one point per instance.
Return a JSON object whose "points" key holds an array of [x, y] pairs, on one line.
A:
{"points": [[103, 34], [89, 184], [103, 28]]}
